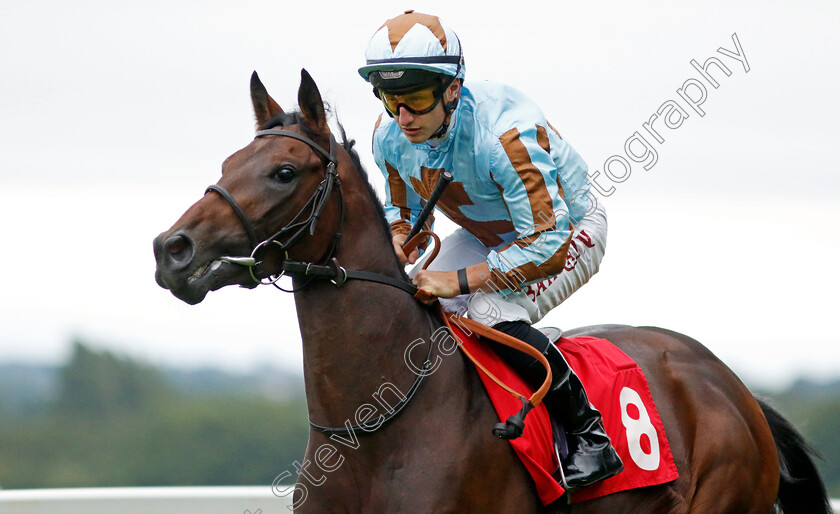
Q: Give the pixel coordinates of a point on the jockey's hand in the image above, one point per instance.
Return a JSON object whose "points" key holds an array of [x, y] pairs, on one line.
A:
{"points": [[398, 240], [442, 284]]}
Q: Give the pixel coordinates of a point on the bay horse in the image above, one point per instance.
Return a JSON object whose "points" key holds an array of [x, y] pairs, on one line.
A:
{"points": [[296, 202]]}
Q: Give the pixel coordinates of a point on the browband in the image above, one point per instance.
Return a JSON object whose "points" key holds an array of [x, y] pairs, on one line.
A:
{"points": [[294, 135]]}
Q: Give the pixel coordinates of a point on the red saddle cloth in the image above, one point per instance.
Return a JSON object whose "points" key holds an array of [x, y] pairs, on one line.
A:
{"points": [[616, 386]]}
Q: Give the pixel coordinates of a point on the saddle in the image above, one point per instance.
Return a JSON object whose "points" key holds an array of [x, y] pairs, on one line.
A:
{"points": [[616, 386]]}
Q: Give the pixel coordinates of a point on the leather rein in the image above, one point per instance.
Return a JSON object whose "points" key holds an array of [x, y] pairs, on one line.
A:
{"points": [[329, 269]]}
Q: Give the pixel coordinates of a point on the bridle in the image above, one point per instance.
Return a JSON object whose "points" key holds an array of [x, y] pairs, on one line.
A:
{"points": [[298, 225], [330, 270]]}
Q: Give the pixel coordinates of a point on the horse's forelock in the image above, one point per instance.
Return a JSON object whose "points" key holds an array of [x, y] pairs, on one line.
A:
{"points": [[284, 119], [287, 119]]}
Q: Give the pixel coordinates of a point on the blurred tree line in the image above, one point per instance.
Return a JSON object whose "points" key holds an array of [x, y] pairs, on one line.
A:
{"points": [[112, 421], [104, 420]]}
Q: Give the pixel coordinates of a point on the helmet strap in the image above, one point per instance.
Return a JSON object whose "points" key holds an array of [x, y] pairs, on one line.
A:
{"points": [[448, 107]]}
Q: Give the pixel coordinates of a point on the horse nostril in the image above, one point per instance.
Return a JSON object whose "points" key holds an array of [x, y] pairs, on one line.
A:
{"points": [[179, 250]]}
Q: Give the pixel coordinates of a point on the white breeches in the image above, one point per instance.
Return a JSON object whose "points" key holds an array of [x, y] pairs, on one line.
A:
{"points": [[534, 301]]}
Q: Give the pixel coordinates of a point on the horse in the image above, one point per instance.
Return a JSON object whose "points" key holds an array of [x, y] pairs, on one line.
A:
{"points": [[296, 202]]}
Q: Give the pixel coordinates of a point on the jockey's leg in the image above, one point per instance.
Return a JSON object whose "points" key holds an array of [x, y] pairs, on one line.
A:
{"points": [[591, 456]]}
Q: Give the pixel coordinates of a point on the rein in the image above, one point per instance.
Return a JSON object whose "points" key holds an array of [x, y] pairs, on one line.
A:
{"points": [[347, 429], [332, 271]]}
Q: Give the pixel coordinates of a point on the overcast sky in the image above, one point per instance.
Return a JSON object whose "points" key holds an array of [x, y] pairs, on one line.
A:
{"points": [[115, 116]]}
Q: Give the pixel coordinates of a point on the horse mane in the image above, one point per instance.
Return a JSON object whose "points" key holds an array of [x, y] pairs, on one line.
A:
{"points": [[294, 118]]}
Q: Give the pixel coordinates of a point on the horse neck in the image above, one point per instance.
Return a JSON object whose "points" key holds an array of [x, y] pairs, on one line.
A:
{"points": [[354, 337]]}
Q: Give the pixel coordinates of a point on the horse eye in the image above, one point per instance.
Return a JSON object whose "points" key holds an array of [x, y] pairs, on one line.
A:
{"points": [[285, 174]]}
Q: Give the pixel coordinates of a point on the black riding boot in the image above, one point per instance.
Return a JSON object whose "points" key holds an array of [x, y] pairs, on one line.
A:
{"points": [[591, 456]]}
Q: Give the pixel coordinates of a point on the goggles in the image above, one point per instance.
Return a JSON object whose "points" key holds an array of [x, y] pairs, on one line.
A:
{"points": [[421, 101]]}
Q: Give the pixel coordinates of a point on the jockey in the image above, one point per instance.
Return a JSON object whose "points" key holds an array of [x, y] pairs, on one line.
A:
{"points": [[531, 233]]}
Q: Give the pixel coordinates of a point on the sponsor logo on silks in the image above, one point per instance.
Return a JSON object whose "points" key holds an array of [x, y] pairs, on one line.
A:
{"points": [[390, 75], [534, 290], [576, 251]]}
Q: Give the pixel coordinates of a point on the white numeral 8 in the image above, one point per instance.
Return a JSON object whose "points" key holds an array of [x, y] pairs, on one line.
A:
{"points": [[636, 428]]}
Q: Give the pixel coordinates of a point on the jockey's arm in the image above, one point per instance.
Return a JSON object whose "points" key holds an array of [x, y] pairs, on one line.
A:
{"points": [[444, 284], [539, 213]]}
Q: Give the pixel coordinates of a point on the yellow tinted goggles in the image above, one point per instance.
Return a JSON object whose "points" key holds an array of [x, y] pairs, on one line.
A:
{"points": [[416, 102]]}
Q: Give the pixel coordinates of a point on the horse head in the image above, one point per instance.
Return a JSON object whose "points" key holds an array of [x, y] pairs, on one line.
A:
{"points": [[265, 208]]}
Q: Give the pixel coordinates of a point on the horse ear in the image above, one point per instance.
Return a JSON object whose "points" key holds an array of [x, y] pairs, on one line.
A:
{"points": [[311, 105], [265, 107]]}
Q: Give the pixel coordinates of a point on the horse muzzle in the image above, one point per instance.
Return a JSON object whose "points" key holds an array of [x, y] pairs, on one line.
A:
{"points": [[174, 252], [183, 272]]}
